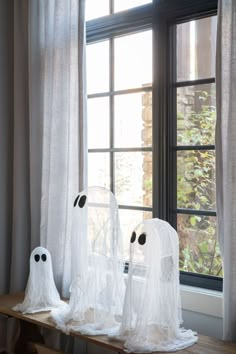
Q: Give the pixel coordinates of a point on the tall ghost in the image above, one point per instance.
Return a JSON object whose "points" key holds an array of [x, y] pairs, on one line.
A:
{"points": [[97, 289], [152, 309], [41, 293]]}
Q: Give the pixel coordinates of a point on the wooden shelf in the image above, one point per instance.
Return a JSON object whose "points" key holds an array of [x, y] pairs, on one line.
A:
{"points": [[205, 345]]}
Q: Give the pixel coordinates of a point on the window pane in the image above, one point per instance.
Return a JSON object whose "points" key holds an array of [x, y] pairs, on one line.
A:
{"points": [[99, 169], [121, 5], [133, 120], [133, 60], [196, 115], [133, 178], [199, 249], [98, 70], [98, 122], [95, 9], [196, 45], [129, 219], [196, 179]]}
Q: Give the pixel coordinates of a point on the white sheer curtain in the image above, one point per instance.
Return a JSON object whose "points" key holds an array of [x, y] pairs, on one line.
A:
{"points": [[57, 97], [43, 145], [226, 157]]}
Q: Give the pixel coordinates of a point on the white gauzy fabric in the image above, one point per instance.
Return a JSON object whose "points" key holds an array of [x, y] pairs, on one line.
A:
{"points": [[58, 111], [41, 293], [97, 290], [152, 309]]}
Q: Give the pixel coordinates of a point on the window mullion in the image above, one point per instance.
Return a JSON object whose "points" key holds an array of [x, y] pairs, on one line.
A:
{"points": [[194, 147], [111, 88], [111, 5], [160, 40], [172, 129], [195, 212], [197, 82]]}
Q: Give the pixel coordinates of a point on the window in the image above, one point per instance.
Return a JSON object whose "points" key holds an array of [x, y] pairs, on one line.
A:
{"points": [[151, 119], [195, 150]]}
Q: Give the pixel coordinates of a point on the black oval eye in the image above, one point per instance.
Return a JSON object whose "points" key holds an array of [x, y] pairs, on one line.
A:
{"points": [[133, 237], [44, 257], [36, 257], [142, 239], [76, 200], [82, 201]]}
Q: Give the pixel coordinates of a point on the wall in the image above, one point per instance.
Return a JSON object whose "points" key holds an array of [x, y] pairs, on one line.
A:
{"points": [[202, 310], [203, 324]]}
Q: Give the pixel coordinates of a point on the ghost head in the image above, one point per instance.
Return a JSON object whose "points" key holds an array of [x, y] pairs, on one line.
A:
{"points": [[41, 293], [152, 309], [97, 289]]}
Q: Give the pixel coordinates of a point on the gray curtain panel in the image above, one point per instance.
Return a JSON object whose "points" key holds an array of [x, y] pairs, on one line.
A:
{"points": [[43, 136], [226, 157], [6, 143], [19, 201]]}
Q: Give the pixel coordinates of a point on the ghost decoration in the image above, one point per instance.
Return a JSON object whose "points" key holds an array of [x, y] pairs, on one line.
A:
{"points": [[152, 309], [41, 293], [97, 289]]}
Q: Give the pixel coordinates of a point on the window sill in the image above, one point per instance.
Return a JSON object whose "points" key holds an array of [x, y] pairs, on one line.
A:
{"points": [[200, 300], [208, 302]]}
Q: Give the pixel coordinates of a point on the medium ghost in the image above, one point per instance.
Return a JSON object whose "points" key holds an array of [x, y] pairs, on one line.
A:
{"points": [[41, 293], [152, 309], [97, 289]]}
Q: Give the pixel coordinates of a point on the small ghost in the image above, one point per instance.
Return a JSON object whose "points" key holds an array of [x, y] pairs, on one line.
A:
{"points": [[97, 289], [41, 293], [152, 310]]}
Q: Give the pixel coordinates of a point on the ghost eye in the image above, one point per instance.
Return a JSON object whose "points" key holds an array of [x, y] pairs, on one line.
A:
{"points": [[36, 257], [133, 237], [142, 239], [44, 257], [76, 200], [82, 201]]}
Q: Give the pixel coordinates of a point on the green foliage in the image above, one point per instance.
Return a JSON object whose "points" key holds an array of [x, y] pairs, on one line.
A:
{"points": [[196, 180], [198, 126], [148, 185], [203, 260], [199, 250]]}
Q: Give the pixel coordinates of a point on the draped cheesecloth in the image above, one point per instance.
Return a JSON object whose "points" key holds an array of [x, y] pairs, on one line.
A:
{"points": [[41, 293], [152, 309], [97, 289]]}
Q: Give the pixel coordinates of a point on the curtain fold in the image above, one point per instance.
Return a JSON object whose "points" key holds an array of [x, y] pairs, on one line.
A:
{"points": [[226, 158], [43, 137], [17, 230], [21, 232], [6, 150]]}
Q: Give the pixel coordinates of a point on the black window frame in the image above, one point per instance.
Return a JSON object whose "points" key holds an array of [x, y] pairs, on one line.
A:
{"points": [[161, 16]]}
